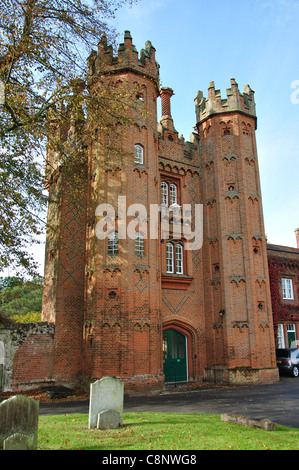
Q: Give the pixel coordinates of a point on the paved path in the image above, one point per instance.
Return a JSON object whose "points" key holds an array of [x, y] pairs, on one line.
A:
{"points": [[277, 402]]}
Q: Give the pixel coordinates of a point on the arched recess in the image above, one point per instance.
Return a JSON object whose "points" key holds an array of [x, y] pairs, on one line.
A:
{"points": [[189, 335]]}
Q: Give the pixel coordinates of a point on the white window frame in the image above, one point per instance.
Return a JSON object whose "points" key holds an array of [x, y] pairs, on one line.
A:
{"points": [[164, 193], [139, 154], [287, 288], [113, 243], [179, 258], [280, 336], [169, 258], [174, 258]]}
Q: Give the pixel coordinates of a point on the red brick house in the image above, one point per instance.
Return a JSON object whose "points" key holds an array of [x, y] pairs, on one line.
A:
{"points": [[284, 284]]}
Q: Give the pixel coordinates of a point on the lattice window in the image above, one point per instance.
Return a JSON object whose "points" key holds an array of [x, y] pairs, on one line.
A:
{"points": [[113, 243]]}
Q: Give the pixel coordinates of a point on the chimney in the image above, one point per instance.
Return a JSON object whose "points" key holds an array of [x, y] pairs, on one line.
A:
{"points": [[297, 236], [166, 119]]}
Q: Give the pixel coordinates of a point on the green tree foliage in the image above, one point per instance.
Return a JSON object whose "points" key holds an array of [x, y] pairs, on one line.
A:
{"points": [[21, 300], [43, 49], [10, 282]]}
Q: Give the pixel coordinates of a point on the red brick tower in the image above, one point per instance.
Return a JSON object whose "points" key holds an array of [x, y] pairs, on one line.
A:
{"points": [[63, 293], [239, 331], [122, 322]]}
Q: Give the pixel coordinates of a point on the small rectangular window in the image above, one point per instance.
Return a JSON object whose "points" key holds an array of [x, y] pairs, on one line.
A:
{"points": [[138, 154]]}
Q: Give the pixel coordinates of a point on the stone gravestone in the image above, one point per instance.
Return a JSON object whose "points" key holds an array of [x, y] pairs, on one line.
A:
{"points": [[19, 423], [108, 419], [106, 394]]}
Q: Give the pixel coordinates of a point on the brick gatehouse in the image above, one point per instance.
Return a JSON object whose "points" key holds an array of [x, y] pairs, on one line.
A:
{"points": [[149, 310]]}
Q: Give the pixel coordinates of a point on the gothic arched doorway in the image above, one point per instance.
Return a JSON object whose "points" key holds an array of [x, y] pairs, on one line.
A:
{"points": [[174, 356]]}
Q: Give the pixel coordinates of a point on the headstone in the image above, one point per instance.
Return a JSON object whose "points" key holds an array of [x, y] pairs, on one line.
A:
{"points": [[105, 394], [108, 419], [19, 420]]}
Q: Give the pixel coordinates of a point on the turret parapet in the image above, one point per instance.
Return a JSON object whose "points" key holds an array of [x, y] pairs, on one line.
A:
{"points": [[235, 101], [104, 61]]}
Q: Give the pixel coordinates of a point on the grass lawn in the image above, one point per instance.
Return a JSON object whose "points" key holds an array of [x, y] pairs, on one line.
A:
{"points": [[158, 431]]}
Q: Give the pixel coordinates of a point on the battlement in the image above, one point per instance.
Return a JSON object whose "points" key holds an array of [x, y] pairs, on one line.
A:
{"points": [[235, 101], [104, 61]]}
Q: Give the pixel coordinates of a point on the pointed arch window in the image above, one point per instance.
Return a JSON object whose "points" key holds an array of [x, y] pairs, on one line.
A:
{"points": [[170, 190]]}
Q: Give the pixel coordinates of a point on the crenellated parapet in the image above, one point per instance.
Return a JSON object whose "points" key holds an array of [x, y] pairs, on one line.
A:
{"points": [[234, 102], [127, 59]]}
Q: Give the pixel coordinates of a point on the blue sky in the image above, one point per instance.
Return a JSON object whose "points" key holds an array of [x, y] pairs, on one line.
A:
{"points": [[257, 43]]}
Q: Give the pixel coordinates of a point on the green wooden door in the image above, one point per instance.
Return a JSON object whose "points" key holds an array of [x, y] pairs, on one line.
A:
{"points": [[291, 335], [174, 356]]}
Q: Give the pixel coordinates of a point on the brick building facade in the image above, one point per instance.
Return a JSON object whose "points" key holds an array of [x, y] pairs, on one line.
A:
{"points": [[284, 283], [146, 309]]}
